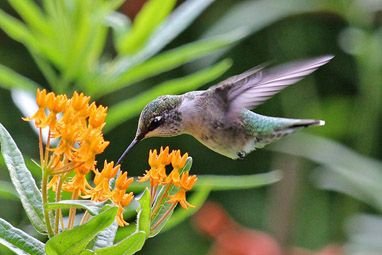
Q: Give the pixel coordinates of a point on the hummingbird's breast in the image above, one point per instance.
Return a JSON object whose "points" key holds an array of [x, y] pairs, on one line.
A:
{"points": [[204, 119]]}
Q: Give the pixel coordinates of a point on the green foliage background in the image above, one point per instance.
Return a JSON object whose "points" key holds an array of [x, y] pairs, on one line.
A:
{"points": [[331, 190]]}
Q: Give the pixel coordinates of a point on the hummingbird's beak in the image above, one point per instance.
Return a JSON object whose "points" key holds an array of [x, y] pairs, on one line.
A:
{"points": [[132, 144]]}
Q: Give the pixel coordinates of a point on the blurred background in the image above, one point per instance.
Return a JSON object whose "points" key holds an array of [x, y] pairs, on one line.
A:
{"points": [[331, 190]]}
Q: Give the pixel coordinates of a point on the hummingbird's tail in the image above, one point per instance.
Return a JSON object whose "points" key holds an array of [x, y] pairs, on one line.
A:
{"points": [[269, 129]]}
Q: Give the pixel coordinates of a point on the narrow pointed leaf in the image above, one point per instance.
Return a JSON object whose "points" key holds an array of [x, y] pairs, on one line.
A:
{"points": [[75, 241], [92, 207], [234, 182], [165, 61], [9, 79], [175, 23], [127, 246], [131, 107], [23, 181], [147, 20], [18, 241], [32, 15], [17, 30]]}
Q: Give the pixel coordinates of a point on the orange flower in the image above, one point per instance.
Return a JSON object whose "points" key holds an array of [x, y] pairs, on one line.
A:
{"points": [[186, 183], [102, 191], [180, 198], [78, 185], [178, 162], [157, 173], [120, 198], [97, 116]]}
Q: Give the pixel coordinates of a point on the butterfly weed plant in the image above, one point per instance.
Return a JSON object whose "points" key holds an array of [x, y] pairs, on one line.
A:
{"points": [[83, 206], [67, 162]]}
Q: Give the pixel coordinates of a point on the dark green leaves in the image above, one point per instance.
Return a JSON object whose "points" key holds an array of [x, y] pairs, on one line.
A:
{"points": [[23, 181]]}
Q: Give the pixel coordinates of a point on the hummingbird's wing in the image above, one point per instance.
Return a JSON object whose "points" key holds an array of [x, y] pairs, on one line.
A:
{"points": [[255, 86]]}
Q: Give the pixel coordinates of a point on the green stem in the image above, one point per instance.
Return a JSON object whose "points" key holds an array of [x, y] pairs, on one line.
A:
{"points": [[44, 192]]}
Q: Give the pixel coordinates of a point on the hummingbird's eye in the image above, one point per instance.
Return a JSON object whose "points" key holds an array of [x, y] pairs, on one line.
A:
{"points": [[156, 122]]}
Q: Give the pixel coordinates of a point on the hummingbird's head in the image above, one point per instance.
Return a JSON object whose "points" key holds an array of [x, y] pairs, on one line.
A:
{"points": [[160, 118]]}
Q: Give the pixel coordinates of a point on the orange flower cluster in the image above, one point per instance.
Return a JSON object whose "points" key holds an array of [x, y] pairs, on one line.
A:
{"points": [[157, 175], [75, 128]]}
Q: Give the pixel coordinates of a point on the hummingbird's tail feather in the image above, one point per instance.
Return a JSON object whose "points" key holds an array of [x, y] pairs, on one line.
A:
{"points": [[286, 127], [306, 123], [266, 130]]}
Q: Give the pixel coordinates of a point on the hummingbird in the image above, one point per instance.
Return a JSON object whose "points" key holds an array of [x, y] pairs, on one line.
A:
{"points": [[221, 117]]}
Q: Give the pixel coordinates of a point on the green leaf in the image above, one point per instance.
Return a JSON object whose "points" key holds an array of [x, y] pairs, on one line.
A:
{"points": [[17, 30], [9, 79], [127, 246], [129, 108], [7, 191], [23, 181], [32, 15], [164, 62], [143, 217], [197, 199], [148, 19], [19, 241], [234, 182], [74, 241], [176, 22], [241, 16], [93, 207]]}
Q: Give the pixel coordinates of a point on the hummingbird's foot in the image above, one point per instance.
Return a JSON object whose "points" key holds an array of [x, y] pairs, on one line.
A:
{"points": [[241, 154]]}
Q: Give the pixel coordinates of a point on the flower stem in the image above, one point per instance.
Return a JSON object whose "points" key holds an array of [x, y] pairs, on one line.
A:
{"points": [[72, 211], [44, 193], [85, 218]]}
